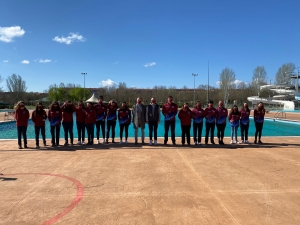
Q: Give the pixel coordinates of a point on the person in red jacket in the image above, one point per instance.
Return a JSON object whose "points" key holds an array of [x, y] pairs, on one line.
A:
{"points": [[39, 117], [101, 110], [54, 117], [234, 119], [21, 116], [124, 116], [90, 119], [169, 110], [244, 122], [80, 122], [222, 114], [210, 116], [185, 116], [259, 117], [67, 110], [198, 116], [111, 119]]}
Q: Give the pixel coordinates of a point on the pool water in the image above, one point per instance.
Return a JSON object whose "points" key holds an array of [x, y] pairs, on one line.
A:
{"points": [[271, 128]]}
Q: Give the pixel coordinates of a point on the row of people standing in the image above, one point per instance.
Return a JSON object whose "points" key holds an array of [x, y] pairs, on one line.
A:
{"points": [[98, 114]]}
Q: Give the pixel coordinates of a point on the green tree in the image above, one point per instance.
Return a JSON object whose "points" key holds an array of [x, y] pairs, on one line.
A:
{"points": [[57, 93], [77, 93]]}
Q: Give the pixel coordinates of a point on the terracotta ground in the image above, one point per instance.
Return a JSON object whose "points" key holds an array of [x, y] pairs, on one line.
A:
{"points": [[109, 184]]}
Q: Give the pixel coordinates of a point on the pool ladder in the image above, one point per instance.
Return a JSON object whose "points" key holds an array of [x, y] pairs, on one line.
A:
{"points": [[280, 115]]}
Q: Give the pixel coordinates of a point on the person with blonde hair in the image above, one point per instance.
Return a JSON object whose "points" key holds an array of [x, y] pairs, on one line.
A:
{"points": [[21, 116], [39, 117]]}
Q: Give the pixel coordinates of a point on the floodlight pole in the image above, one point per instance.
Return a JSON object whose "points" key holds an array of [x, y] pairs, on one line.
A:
{"points": [[84, 74], [194, 74]]}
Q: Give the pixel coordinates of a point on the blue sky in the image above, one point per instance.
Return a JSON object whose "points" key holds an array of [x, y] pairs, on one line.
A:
{"points": [[145, 43]]}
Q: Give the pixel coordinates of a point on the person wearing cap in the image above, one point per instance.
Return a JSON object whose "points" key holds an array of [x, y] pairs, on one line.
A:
{"points": [[169, 110], [124, 117], [185, 116], [210, 116], [101, 110], [153, 119], [139, 119], [39, 117], [111, 119], [21, 116], [54, 117]]}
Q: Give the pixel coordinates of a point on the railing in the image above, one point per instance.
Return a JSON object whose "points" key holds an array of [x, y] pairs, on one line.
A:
{"points": [[9, 115], [279, 115]]}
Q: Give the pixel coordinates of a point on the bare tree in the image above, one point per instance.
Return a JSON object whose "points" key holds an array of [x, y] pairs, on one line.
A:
{"points": [[17, 86], [259, 78], [227, 78], [283, 73]]}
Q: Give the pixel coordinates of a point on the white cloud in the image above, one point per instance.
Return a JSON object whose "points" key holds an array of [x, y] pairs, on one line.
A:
{"points": [[5, 61], [108, 83], [236, 82], [149, 64], [218, 83], [7, 34], [71, 38], [115, 63], [44, 60], [25, 62]]}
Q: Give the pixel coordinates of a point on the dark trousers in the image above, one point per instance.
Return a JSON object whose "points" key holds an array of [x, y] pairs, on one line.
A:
{"points": [[152, 125], [100, 123], [80, 130], [111, 124], [244, 131], [22, 132], [185, 132], [220, 131], [122, 126], [68, 128], [55, 134], [209, 127], [38, 130], [90, 132], [258, 130], [167, 125], [197, 129]]}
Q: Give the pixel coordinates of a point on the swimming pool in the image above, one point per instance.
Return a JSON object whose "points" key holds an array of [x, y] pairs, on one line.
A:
{"points": [[271, 128]]}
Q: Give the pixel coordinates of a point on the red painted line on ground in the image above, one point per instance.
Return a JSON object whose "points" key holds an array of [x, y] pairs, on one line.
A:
{"points": [[76, 200]]}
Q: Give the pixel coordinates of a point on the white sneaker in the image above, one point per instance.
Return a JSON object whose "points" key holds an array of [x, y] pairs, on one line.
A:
{"points": [[150, 142], [231, 142], [195, 143], [247, 142], [103, 141], [79, 143], [199, 143], [126, 142], [83, 143], [243, 142], [120, 142], [98, 142], [237, 142], [155, 142]]}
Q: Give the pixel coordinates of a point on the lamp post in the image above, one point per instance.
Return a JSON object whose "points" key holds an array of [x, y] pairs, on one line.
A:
{"points": [[207, 81], [194, 74], [84, 74]]}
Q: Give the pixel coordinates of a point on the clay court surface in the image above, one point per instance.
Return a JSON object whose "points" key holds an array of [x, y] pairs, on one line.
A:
{"points": [[109, 184]]}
